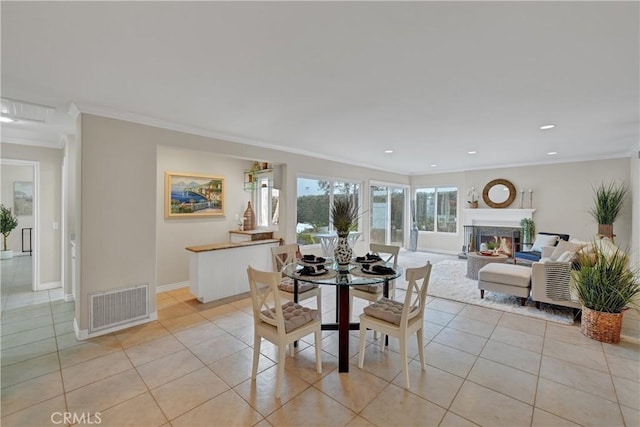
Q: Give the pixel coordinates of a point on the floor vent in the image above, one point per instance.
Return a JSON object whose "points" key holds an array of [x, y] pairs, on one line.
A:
{"points": [[119, 306]]}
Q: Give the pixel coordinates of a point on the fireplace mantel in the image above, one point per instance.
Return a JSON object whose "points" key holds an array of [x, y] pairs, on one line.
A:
{"points": [[496, 217]]}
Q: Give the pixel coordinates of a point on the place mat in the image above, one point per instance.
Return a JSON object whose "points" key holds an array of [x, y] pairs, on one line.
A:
{"points": [[358, 271], [330, 274]]}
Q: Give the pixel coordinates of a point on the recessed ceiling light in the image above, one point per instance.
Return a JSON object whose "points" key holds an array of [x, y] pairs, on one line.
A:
{"points": [[552, 153], [472, 152], [388, 151], [433, 166], [547, 127], [4, 119]]}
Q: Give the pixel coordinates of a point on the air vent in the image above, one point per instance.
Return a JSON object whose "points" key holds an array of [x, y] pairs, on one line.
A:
{"points": [[118, 306], [22, 110]]}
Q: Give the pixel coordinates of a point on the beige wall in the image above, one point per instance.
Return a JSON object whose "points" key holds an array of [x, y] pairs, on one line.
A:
{"points": [[562, 197], [50, 188], [635, 209], [174, 234], [124, 235]]}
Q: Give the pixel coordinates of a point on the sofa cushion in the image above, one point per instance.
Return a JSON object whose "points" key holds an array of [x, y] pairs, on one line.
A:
{"points": [[506, 274], [562, 247], [544, 240]]}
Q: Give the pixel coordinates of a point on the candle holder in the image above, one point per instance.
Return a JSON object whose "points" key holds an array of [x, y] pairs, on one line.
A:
{"points": [[530, 199]]}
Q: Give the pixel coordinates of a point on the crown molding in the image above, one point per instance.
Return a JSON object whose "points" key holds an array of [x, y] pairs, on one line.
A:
{"points": [[44, 144]]}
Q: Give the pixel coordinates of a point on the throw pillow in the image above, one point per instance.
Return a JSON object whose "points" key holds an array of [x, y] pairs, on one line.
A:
{"points": [[567, 256], [544, 240], [564, 246]]}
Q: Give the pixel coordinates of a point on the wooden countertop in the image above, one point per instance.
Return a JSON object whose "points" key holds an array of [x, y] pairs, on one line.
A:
{"points": [[250, 232], [228, 245]]}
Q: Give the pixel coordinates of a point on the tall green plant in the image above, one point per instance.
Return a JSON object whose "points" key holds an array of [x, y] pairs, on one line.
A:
{"points": [[607, 199], [8, 222], [608, 284]]}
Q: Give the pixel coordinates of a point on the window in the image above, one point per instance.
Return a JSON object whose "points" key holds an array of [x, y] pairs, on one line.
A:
{"points": [[267, 203], [437, 209], [315, 197], [387, 214]]}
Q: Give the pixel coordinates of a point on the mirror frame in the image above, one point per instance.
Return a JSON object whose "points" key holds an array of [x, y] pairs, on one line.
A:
{"points": [[506, 203]]}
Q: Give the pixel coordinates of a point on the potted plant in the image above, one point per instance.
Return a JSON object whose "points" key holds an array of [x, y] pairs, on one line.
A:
{"points": [[528, 233], [606, 286], [344, 216], [608, 200], [472, 195], [8, 222]]}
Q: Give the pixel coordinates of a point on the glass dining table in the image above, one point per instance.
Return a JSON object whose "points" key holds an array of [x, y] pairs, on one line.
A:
{"points": [[343, 277]]}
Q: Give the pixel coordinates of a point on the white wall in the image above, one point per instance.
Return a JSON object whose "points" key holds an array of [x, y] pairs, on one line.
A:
{"points": [[562, 197], [50, 160]]}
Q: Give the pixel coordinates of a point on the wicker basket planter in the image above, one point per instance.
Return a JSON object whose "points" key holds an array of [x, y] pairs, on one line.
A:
{"points": [[605, 230], [601, 326]]}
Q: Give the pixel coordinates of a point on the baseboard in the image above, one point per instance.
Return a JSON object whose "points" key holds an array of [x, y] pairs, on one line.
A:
{"points": [[83, 334], [48, 285], [171, 287]]}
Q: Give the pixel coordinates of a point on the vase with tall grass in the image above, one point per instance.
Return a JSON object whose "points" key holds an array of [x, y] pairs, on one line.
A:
{"points": [[606, 286], [608, 200], [344, 216]]}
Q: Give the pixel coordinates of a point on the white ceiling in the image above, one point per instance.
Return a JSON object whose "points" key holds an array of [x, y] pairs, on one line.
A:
{"points": [[342, 80]]}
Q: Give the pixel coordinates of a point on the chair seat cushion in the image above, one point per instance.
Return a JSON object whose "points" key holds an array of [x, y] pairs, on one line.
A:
{"points": [[374, 289], [385, 309], [506, 274], [287, 285], [294, 315]]}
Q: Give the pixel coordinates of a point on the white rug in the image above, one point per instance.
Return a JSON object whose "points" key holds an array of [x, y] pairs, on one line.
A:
{"points": [[448, 281]]}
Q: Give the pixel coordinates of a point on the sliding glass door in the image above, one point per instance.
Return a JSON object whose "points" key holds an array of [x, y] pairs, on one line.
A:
{"points": [[388, 214]]}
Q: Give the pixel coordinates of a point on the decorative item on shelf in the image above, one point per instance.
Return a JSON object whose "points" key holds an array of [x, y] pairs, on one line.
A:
{"points": [[265, 165], [8, 222], [606, 287], [344, 216], [528, 233], [530, 199], [499, 193], [608, 200], [249, 218], [255, 167], [521, 199], [472, 195]]}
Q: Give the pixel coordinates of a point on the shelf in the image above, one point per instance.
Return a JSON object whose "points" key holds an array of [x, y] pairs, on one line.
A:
{"points": [[254, 178]]}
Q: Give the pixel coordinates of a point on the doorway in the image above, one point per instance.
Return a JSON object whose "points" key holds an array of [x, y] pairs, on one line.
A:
{"points": [[20, 192], [388, 214]]}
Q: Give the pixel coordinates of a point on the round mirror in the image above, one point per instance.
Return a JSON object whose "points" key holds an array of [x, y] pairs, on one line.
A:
{"points": [[499, 193]]}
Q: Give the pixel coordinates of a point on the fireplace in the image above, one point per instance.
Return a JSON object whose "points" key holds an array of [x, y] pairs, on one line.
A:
{"points": [[493, 225]]}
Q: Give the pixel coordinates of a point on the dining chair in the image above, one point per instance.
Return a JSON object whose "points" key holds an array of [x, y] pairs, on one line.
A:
{"points": [[372, 293], [286, 254], [398, 319], [281, 324]]}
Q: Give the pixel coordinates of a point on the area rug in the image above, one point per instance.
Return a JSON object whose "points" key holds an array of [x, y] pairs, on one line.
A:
{"points": [[448, 281]]}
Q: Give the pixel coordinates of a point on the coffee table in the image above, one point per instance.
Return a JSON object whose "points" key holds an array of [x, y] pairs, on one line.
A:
{"points": [[475, 261]]}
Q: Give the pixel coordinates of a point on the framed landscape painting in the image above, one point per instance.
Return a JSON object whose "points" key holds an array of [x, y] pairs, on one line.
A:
{"points": [[23, 198], [193, 195]]}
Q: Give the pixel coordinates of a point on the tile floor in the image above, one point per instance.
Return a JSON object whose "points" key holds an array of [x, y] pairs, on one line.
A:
{"points": [[192, 367]]}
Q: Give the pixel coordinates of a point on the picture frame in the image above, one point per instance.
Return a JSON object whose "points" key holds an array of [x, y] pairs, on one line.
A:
{"points": [[192, 195], [23, 198]]}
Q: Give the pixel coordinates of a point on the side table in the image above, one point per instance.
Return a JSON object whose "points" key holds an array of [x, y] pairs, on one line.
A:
{"points": [[476, 261]]}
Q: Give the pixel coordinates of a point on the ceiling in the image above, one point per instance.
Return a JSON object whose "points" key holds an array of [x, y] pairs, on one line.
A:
{"points": [[341, 80]]}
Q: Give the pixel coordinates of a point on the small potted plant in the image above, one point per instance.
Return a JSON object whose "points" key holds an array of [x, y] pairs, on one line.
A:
{"points": [[472, 197], [344, 216], [606, 286], [8, 222], [608, 200], [528, 233]]}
